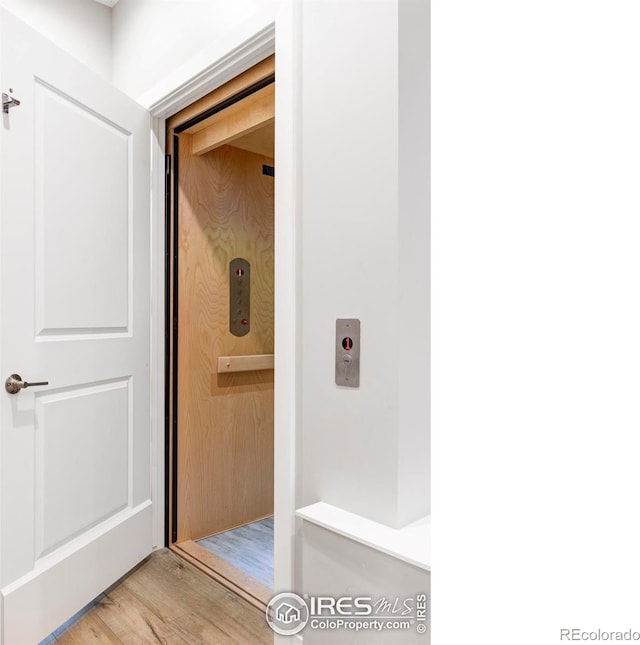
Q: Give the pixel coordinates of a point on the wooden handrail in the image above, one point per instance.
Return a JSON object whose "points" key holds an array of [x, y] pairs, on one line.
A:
{"points": [[248, 363]]}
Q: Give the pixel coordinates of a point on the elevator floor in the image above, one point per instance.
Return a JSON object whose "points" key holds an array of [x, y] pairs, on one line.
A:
{"points": [[248, 548]]}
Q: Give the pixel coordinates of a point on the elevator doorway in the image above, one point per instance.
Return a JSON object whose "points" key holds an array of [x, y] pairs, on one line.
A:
{"points": [[220, 283]]}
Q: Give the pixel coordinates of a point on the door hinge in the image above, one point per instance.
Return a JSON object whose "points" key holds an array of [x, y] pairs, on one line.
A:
{"points": [[8, 101], [167, 164]]}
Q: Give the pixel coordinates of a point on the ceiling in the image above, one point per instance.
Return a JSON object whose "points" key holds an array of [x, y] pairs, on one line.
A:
{"points": [[109, 3]]}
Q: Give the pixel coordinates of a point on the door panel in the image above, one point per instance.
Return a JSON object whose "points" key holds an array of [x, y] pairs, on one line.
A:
{"points": [[64, 433], [225, 421], [82, 264], [75, 504]]}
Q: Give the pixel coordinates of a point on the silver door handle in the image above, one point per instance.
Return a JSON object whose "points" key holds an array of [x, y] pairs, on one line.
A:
{"points": [[14, 384], [8, 101]]}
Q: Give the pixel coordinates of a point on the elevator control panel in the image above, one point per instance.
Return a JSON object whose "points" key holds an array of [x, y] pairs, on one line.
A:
{"points": [[239, 296], [348, 352]]}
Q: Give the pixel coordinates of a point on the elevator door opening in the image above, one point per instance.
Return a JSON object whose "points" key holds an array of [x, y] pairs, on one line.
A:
{"points": [[220, 361]]}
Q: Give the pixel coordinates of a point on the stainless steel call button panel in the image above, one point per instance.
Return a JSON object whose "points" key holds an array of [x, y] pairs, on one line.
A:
{"points": [[239, 297], [348, 352]]}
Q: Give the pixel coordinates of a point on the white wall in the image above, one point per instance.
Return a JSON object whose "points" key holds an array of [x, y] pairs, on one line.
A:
{"points": [[153, 39], [350, 253], [336, 566], [80, 27], [414, 288], [365, 255]]}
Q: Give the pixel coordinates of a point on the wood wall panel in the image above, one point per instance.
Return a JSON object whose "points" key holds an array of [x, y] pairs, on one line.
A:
{"points": [[225, 421]]}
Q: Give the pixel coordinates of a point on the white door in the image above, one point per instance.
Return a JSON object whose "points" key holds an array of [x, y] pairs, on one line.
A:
{"points": [[75, 506]]}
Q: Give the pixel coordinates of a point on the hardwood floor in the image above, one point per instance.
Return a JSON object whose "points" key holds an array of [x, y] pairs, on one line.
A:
{"points": [[167, 600]]}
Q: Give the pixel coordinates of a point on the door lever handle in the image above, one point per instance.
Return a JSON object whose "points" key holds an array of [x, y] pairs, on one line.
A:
{"points": [[8, 101], [14, 384]]}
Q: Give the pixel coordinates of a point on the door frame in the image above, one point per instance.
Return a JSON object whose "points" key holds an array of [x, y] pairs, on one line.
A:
{"points": [[244, 48]]}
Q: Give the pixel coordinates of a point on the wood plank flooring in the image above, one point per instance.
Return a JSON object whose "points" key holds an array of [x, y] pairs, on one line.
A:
{"points": [[167, 600]]}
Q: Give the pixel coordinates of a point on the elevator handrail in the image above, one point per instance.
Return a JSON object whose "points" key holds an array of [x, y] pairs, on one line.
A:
{"points": [[248, 363]]}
